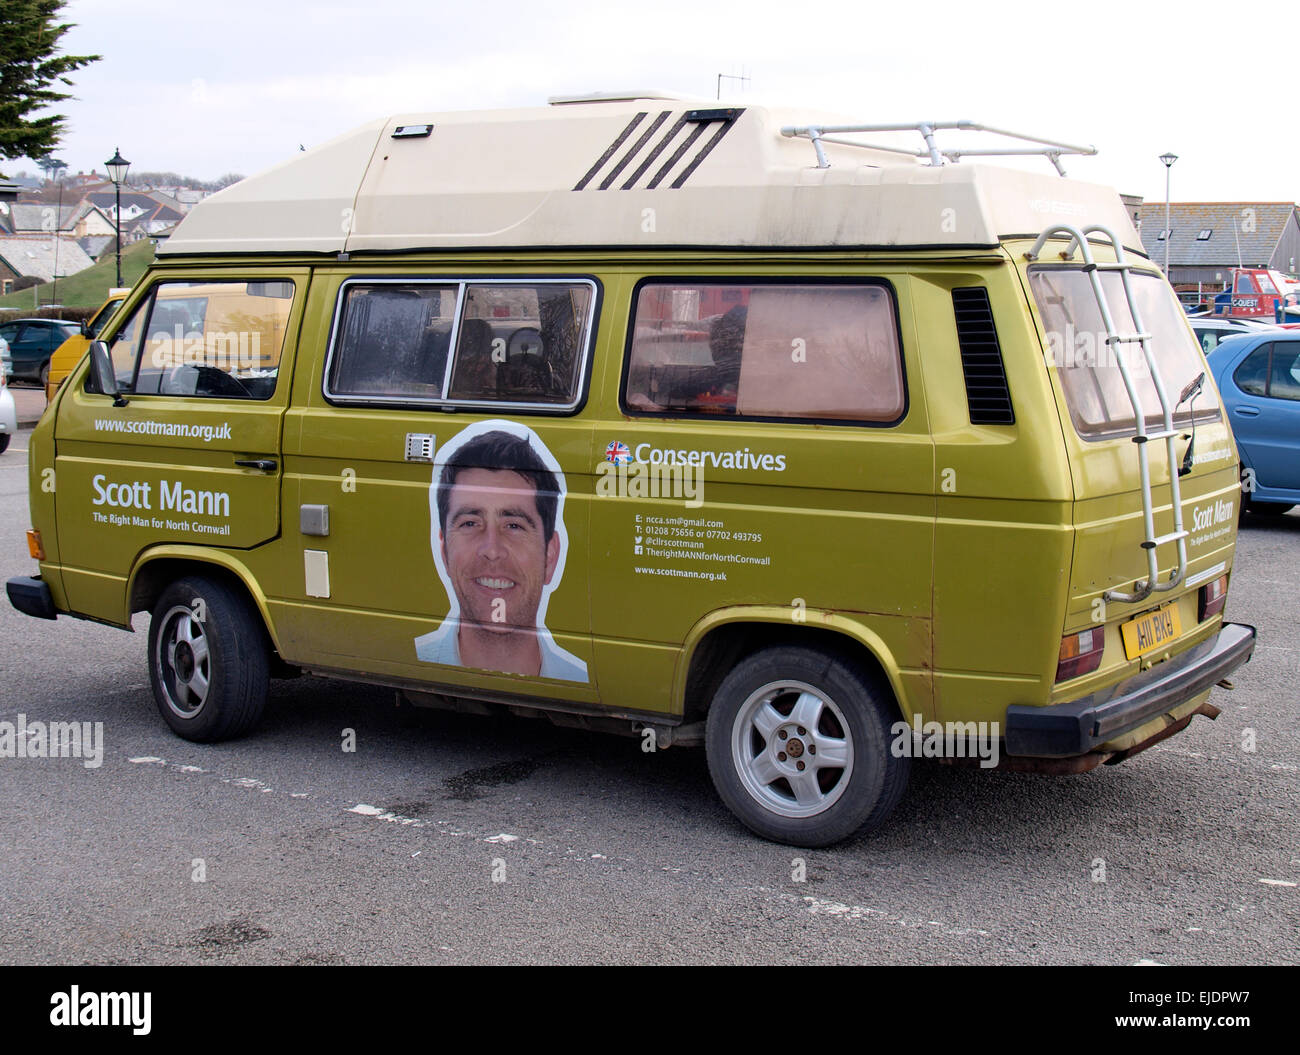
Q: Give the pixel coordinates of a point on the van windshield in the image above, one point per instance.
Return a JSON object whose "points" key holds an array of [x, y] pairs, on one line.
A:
{"points": [[1089, 368]]}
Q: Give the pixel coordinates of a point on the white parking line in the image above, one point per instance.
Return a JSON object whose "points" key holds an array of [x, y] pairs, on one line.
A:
{"points": [[817, 906], [385, 815]]}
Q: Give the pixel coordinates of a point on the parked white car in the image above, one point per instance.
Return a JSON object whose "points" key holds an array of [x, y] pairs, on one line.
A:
{"points": [[8, 413]]}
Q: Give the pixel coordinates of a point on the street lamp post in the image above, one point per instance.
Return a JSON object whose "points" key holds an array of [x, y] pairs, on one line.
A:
{"points": [[1169, 160], [117, 167]]}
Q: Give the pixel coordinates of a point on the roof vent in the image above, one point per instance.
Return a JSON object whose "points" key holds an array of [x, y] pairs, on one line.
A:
{"points": [[628, 96], [988, 399]]}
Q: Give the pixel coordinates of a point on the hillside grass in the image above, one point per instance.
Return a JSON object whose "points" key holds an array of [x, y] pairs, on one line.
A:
{"points": [[89, 288]]}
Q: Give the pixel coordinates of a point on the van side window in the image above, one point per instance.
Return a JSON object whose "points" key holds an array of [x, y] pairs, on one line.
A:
{"points": [[807, 351], [394, 341], [215, 340], [521, 344], [461, 342]]}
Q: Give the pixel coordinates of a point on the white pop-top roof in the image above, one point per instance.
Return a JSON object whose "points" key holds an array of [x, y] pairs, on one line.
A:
{"points": [[626, 172]]}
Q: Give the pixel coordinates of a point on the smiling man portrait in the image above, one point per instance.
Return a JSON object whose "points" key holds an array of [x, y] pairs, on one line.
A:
{"points": [[496, 506]]}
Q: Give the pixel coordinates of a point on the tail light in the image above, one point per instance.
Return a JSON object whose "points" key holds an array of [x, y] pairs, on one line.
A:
{"points": [[1211, 598], [1080, 653]]}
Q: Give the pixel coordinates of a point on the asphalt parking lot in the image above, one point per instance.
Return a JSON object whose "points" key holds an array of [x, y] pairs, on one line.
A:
{"points": [[452, 839]]}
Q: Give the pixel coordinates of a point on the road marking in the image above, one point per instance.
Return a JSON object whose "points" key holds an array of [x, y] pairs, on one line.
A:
{"points": [[817, 906], [384, 815], [1245, 759], [1278, 882]]}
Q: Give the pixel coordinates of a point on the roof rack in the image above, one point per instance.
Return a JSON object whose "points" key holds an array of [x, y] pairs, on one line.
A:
{"points": [[1049, 148]]}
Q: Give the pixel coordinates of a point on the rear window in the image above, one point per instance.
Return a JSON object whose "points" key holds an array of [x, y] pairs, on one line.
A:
{"points": [[822, 352], [1089, 368]]}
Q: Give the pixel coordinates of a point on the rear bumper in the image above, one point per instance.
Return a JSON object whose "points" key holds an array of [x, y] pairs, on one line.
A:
{"points": [[1077, 726], [8, 411], [31, 597]]}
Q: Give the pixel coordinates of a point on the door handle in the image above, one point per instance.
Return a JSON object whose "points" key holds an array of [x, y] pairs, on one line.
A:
{"points": [[1247, 411], [267, 465]]}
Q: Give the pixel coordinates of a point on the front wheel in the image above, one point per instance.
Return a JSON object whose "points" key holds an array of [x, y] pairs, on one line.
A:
{"points": [[209, 660], [4, 442], [798, 743]]}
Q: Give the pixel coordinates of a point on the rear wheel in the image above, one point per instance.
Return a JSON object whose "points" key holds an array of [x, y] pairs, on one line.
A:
{"points": [[45, 376], [798, 743], [4, 442], [209, 660]]}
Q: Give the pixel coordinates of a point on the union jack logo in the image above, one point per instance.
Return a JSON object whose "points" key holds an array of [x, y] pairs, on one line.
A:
{"points": [[618, 453]]}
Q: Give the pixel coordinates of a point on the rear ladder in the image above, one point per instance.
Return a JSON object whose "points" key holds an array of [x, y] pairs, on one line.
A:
{"points": [[1115, 342]]}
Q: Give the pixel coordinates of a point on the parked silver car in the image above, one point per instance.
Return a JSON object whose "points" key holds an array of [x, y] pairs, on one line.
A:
{"points": [[8, 412], [1210, 331]]}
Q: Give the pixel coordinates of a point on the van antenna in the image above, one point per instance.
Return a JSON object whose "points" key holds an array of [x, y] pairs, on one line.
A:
{"points": [[743, 78], [1240, 265]]}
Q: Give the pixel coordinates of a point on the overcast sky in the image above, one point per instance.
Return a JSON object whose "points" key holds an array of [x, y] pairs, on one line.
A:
{"points": [[236, 85]]}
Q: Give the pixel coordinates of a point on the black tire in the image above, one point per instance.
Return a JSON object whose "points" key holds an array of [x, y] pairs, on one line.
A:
{"points": [[4, 442], [45, 376], [850, 706], [209, 674]]}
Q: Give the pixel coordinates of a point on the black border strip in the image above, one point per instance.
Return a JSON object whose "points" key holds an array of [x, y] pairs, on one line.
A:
{"points": [[686, 145], [659, 149], [704, 152], [636, 149], [609, 151]]}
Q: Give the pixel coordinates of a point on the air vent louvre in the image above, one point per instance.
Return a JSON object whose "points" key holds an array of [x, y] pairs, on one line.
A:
{"points": [[988, 399]]}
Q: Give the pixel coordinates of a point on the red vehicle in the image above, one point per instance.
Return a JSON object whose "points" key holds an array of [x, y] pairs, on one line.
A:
{"points": [[1259, 293]]}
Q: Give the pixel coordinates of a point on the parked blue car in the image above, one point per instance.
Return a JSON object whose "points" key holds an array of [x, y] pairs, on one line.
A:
{"points": [[1259, 378]]}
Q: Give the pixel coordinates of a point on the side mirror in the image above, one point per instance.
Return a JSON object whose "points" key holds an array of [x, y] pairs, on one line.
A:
{"points": [[102, 375]]}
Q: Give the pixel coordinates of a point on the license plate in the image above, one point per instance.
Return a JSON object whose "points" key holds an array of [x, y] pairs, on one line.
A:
{"points": [[1151, 631]]}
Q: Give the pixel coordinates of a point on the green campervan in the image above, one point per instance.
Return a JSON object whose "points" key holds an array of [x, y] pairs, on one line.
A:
{"points": [[717, 425]]}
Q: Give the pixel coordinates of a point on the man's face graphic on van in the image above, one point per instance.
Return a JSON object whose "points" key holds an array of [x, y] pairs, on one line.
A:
{"points": [[495, 549]]}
